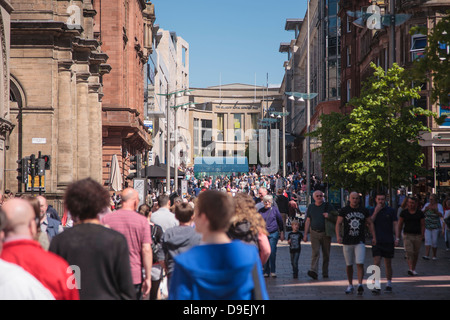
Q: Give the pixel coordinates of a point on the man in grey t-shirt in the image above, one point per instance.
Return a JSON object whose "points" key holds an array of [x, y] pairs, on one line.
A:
{"points": [[163, 216]]}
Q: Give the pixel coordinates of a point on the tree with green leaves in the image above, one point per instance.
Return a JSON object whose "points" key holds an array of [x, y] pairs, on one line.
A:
{"points": [[434, 66], [376, 145]]}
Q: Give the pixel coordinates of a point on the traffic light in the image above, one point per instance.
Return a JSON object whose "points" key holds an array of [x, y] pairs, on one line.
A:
{"points": [[23, 170], [135, 167], [415, 179], [47, 161], [40, 167]]}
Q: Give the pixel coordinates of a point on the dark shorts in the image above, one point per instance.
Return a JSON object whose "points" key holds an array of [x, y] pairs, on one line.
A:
{"points": [[384, 250]]}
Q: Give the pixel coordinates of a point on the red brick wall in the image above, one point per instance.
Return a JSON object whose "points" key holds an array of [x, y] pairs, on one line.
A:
{"points": [[123, 86]]}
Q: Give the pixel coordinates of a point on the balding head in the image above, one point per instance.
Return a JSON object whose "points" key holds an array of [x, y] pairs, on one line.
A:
{"points": [[43, 205], [318, 197], [354, 199], [130, 199], [262, 192], [20, 218]]}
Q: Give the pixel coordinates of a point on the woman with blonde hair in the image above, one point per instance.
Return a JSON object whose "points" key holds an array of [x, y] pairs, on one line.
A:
{"points": [[249, 226]]}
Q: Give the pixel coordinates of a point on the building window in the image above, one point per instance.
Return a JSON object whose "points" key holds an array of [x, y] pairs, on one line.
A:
{"points": [[422, 103], [348, 24], [386, 59], [220, 126], [349, 89], [349, 56], [183, 56], [254, 120], [238, 127], [196, 137], [206, 134], [418, 44]]}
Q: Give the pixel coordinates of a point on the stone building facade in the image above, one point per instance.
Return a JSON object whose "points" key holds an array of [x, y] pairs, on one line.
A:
{"points": [[57, 65], [223, 117], [125, 29], [169, 70], [6, 125], [325, 61]]}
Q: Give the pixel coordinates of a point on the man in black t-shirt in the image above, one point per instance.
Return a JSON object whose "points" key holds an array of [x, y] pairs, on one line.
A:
{"points": [[354, 218]]}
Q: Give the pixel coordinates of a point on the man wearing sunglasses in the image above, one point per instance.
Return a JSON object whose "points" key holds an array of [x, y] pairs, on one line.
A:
{"points": [[320, 222]]}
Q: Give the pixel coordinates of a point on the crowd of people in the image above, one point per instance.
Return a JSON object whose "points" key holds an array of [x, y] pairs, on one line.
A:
{"points": [[218, 241]]}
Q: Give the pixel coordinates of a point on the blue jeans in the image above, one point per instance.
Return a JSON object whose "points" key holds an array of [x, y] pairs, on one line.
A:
{"points": [[295, 255], [269, 266]]}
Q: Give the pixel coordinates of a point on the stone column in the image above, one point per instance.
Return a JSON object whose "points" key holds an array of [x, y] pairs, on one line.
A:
{"points": [[64, 157], [95, 131], [83, 142]]}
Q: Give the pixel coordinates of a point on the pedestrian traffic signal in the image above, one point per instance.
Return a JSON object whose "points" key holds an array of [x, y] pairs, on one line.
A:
{"points": [[23, 170], [47, 161]]}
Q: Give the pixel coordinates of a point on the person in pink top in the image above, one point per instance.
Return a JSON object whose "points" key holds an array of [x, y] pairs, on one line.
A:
{"points": [[136, 230]]}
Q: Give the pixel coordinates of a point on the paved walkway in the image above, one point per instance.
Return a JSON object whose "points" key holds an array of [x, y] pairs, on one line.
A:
{"points": [[432, 283]]}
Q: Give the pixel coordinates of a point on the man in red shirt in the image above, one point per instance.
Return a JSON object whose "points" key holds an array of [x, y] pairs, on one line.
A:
{"points": [[136, 230], [19, 247]]}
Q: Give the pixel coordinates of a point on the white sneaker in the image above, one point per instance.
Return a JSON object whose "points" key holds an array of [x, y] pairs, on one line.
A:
{"points": [[350, 289]]}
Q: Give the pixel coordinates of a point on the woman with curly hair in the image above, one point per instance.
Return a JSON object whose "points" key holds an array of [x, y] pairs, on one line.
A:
{"points": [[249, 226]]}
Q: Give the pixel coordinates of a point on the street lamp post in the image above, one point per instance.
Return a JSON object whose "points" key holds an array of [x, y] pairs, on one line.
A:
{"points": [[308, 116], [302, 97], [168, 95], [283, 148]]}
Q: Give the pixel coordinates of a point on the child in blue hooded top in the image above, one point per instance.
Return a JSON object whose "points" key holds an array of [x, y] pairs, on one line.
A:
{"points": [[218, 268]]}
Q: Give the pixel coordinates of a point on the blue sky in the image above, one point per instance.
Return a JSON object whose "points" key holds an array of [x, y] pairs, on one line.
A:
{"points": [[231, 41]]}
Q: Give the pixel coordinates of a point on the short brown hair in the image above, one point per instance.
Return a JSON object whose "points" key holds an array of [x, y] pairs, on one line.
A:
{"points": [[218, 208], [163, 200], [184, 212], [86, 198]]}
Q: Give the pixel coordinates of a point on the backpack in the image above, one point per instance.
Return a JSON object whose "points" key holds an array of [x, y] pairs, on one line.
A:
{"points": [[155, 242]]}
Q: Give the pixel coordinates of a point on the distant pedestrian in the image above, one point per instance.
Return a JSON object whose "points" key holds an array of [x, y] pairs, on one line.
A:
{"points": [[386, 229], [41, 237], [136, 230], [219, 269], [355, 219], [99, 252], [320, 222], [412, 223], [283, 206], [433, 212], [275, 228], [158, 255], [447, 225], [249, 226], [19, 247], [48, 225], [163, 216], [294, 240]]}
